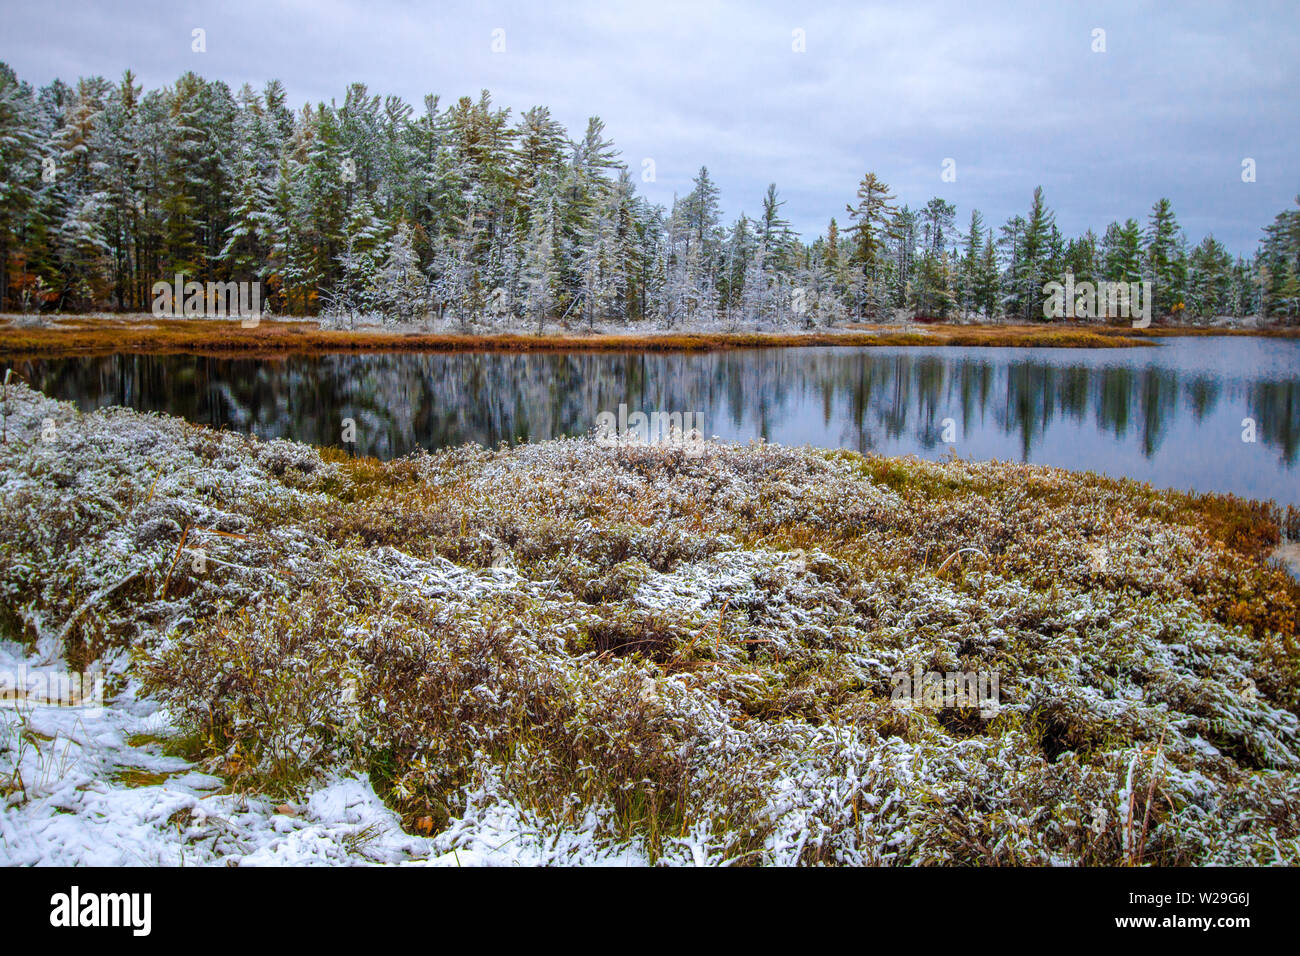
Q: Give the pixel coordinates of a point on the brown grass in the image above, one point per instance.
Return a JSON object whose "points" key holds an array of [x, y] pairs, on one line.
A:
{"points": [[355, 626], [84, 335]]}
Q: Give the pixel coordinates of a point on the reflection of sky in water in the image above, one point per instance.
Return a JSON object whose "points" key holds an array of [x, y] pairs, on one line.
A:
{"points": [[1170, 415]]}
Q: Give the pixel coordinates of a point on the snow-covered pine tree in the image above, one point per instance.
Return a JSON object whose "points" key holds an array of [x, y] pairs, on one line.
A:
{"points": [[400, 290], [249, 237], [540, 275], [361, 284]]}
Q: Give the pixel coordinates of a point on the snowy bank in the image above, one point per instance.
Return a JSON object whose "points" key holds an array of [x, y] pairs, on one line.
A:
{"points": [[563, 653]]}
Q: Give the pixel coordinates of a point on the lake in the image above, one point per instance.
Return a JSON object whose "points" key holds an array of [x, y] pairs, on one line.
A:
{"points": [[1172, 414]]}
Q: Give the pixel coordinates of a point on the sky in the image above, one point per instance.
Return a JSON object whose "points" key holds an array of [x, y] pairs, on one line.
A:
{"points": [[1003, 96]]}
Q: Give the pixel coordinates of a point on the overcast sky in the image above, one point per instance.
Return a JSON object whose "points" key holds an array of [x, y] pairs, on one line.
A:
{"points": [[1012, 92]]}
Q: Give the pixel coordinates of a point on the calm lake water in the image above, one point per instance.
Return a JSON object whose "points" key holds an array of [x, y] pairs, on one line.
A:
{"points": [[1171, 414]]}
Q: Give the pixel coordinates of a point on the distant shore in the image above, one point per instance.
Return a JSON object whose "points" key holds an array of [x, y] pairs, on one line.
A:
{"points": [[66, 335]]}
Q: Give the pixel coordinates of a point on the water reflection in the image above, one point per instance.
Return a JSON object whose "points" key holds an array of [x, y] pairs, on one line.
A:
{"points": [[1171, 415]]}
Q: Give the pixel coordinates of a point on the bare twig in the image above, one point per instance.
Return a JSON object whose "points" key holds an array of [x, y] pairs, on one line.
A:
{"points": [[949, 559]]}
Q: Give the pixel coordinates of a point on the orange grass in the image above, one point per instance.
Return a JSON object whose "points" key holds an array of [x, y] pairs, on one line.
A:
{"points": [[82, 335]]}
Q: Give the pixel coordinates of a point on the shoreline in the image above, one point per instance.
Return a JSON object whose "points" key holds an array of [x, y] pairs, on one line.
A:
{"points": [[70, 335]]}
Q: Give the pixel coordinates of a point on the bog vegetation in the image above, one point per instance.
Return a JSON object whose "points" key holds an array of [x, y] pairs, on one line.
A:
{"points": [[107, 335], [692, 656]]}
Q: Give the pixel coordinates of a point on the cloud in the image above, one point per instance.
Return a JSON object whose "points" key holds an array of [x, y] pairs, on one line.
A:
{"points": [[1011, 91]]}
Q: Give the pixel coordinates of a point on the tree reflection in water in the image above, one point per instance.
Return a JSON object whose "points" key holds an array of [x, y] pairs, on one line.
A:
{"points": [[1170, 414]]}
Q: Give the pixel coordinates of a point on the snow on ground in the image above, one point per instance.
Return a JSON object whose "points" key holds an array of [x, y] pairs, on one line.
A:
{"points": [[98, 791], [93, 787]]}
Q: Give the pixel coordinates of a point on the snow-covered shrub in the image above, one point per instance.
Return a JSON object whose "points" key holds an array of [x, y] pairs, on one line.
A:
{"points": [[692, 656]]}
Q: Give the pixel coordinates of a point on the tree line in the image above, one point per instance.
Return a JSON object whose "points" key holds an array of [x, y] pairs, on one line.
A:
{"points": [[460, 211]]}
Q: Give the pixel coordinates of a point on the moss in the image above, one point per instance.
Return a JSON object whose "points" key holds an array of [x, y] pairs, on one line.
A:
{"points": [[133, 778]]}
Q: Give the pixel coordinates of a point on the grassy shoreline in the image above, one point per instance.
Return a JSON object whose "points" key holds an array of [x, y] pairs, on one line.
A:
{"points": [[689, 656], [81, 335]]}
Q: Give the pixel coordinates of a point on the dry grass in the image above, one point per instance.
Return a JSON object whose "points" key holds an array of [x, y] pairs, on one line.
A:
{"points": [[82, 335], [687, 648]]}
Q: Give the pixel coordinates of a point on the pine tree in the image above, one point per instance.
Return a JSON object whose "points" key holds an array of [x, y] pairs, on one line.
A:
{"points": [[774, 231], [933, 291], [1121, 252], [1288, 294], [183, 248], [1081, 257], [597, 269], [1011, 244], [363, 281], [20, 159], [1166, 259], [538, 154], [1279, 257], [1034, 265], [540, 273], [75, 203], [400, 288], [986, 280], [114, 169], [249, 237], [969, 265], [319, 204], [756, 301], [900, 271], [1209, 278], [870, 217], [625, 253]]}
